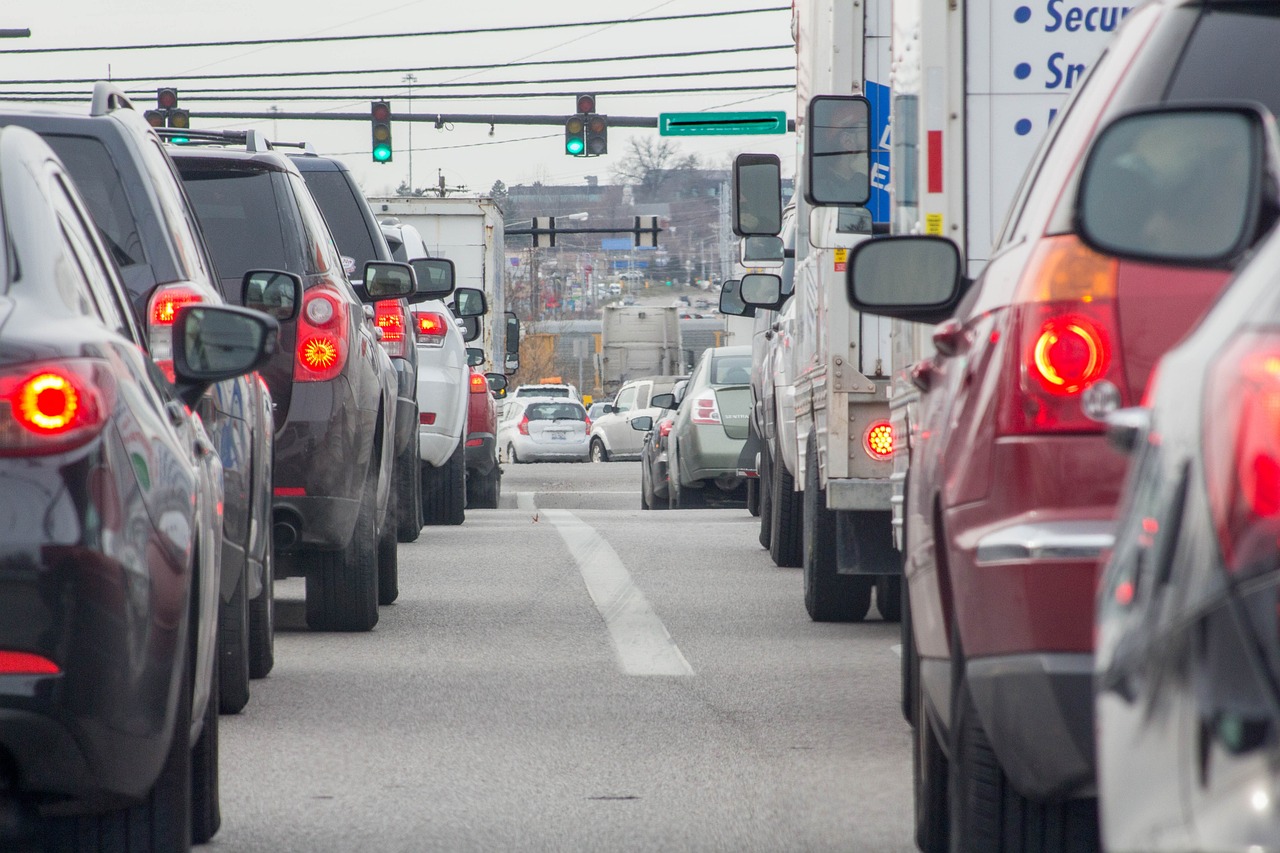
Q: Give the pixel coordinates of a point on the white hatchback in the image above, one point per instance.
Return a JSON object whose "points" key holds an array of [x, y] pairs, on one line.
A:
{"points": [[543, 429]]}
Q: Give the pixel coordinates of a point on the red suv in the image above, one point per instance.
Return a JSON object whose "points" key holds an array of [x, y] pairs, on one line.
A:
{"points": [[1011, 490]]}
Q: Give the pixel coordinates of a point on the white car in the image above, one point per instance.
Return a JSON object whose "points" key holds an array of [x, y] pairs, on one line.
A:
{"points": [[443, 385], [539, 429], [612, 436]]}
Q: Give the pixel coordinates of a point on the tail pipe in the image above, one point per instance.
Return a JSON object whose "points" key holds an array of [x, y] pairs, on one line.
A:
{"points": [[286, 529]]}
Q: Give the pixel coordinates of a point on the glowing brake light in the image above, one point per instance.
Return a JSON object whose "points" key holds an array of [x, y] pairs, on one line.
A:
{"points": [[705, 409], [53, 407], [162, 310], [1242, 451], [322, 336], [1070, 354], [878, 440], [389, 317], [523, 426], [479, 385], [431, 326], [26, 663]]}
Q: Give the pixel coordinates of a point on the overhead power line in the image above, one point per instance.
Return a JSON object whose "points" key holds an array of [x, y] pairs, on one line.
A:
{"points": [[180, 78], [461, 32]]}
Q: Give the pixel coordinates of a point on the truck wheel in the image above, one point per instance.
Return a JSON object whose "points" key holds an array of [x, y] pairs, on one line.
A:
{"points": [[889, 597], [786, 545], [262, 618], [766, 503], [444, 490], [987, 813], [598, 453], [342, 586], [408, 516], [486, 490], [389, 554], [233, 648], [828, 595]]}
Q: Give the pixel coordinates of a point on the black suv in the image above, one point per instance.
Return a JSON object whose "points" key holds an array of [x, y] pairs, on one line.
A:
{"points": [[360, 240], [144, 217], [332, 383]]}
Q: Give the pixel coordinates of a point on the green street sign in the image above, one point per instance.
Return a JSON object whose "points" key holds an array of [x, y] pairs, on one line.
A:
{"points": [[721, 124]]}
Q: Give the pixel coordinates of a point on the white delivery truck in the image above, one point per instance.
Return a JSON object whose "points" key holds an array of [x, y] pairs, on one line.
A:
{"points": [[469, 232], [636, 341]]}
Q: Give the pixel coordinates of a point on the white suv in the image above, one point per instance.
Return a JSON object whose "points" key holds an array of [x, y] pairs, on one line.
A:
{"points": [[612, 436]]}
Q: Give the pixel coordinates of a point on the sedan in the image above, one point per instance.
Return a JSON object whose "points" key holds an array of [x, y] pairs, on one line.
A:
{"points": [[110, 534], [537, 430], [706, 447]]}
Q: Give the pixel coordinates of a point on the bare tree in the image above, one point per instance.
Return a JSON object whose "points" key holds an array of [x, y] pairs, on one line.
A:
{"points": [[651, 162]]}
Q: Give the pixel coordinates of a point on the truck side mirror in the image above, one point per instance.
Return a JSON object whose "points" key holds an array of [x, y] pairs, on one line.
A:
{"points": [[762, 290], [731, 300], [909, 277], [757, 195], [838, 151], [513, 334], [762, 252]]}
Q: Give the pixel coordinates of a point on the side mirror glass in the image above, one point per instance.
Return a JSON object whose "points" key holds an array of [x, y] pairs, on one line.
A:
{"points": [[475, 357], [757, 195], [644, 423], [663, 401], [388, 280], [763, 290], [762, 251], [497, 384], [513, 334], [435, 278], [471, 331], [212, 343], [469, 302], [731, 300], [838, 151], [1174, 185], [911, 278], [274, 293]]}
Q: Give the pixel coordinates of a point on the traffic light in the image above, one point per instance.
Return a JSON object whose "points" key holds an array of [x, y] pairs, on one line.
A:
{"points": [[380, 114], [166, 98], [597, 135], [586, 103], [575, 143]]}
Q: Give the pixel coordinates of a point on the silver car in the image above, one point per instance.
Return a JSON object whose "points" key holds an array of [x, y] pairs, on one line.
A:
{"points": [[543, 429]]}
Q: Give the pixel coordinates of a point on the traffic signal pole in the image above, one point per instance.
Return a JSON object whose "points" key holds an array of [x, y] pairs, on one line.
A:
{"points": [[437, 119]]}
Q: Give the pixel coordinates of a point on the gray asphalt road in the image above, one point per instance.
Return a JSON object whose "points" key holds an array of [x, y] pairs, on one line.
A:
{"points": [[571, 673]]}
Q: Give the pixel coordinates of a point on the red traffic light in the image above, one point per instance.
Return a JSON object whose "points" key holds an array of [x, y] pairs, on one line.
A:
{"points": [[380, 111], [586, 103], [166, 97]]}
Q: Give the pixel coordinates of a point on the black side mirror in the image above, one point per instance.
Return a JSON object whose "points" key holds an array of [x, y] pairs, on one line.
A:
{"points": [[663, 401], [838, 151], [212, 343], [436, 277], [387, 280], [469, 302], [276, 294], [762, 290], [497, 384], [471, 331], [910, 277], [731, 300], [513, 334], [643, 423], [475, 356], [757, 195]]}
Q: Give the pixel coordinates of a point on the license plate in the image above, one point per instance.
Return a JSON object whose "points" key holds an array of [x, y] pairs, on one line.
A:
{"points": [[559, 436]]}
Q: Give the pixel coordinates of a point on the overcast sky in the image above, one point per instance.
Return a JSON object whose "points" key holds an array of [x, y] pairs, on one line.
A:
{"points": [[466, 154]]}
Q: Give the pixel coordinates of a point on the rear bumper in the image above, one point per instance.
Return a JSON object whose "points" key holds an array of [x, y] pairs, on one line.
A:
{"points": [[709, 454], [1037, 710]]}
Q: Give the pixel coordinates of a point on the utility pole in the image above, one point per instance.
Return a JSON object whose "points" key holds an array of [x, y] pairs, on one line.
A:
{"points": [[411, 79]]}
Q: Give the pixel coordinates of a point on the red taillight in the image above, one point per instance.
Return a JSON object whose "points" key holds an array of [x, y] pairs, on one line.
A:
{"points": [[162, 310], [322, 336], [523, 426], [664, 427], [26, 663], [1242, 451], [586, 419], [479, 385], [389, 317], [54, 407], [431, 327], [705, 410], [878, 440], [1066, 341]]}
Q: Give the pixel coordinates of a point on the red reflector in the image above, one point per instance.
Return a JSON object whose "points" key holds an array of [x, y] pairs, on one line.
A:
{"points": [[25, 663], [426, 418], [935, 161], [474, 442], [289, 492]]}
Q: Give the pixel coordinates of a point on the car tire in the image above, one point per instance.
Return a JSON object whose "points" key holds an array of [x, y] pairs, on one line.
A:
{"points": [[206, 811], [986, 812], [408, 516], [342, 586], [598, 452], [786, 508], [444, 490], [233, 648], [889, 597], [161, 821], [262, 618], [487, 489], [828, 595], [929, 773], [766, 503], [511, 455], [389, 553]]}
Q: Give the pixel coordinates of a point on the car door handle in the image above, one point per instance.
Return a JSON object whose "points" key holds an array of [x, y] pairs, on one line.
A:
{"points": [[923, 374], [949, 337]]}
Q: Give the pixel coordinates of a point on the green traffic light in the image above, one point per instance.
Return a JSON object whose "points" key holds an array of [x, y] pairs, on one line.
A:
{"points": [[179, 140], [573, 146], [381, 153]]}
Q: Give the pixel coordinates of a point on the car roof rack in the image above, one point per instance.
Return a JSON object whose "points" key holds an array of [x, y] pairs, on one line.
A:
{"points": [[108, 96], [254, 141]]}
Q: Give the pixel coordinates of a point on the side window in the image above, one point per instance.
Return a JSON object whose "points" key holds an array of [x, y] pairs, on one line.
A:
{"points": [[626, 399], [321, 249], [89, 258], [180, 223]]}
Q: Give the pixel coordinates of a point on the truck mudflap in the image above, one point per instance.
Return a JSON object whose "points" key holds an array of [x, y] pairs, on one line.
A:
{"points": [[748, 457], [859, 494]]}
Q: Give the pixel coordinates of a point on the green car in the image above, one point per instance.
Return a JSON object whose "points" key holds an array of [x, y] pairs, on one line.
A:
{"points": [[706, 446]]}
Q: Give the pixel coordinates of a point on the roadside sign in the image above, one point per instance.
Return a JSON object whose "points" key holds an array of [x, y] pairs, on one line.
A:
{"points": [[721, 124]]}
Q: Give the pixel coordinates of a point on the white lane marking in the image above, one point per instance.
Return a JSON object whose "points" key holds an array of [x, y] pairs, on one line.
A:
{"points": [[524, 501], [642, 642]]}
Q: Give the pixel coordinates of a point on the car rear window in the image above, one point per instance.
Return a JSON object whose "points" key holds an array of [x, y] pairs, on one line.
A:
{"points": [[1221, 59], [544, 392], [237, 208], [555, 412], [342, 211], [731, 370], [103, 190]]}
